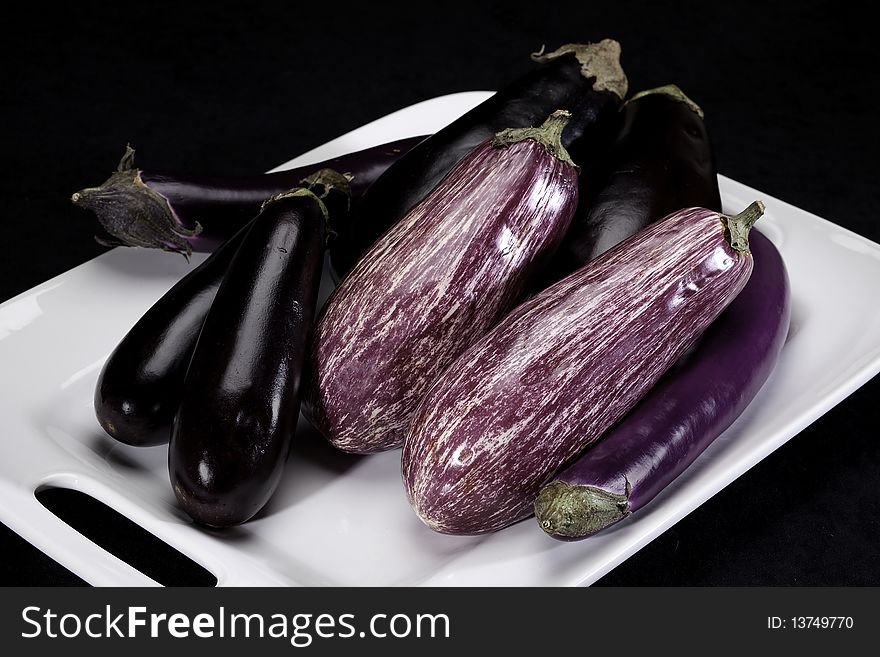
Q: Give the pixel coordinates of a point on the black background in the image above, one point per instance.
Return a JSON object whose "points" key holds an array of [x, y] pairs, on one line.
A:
{"points": [[789, 90]]}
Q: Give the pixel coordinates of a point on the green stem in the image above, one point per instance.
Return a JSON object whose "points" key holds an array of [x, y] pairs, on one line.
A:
{"points": [[673, 92], [318, 186], [738, 226], [132, 213], [598, 60], [548, 134], [324, 181], [574, 511]]}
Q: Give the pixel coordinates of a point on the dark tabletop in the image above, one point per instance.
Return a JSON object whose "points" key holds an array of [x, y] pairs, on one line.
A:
{"points": [[790, 95]]}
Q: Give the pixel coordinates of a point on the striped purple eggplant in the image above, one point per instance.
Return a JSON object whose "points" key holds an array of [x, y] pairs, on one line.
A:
{"points": [[562, 368], [436, 282], [681, 416], [584, 78]]}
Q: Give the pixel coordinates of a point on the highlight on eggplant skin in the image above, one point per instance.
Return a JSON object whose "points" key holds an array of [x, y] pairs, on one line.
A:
{"points": [[436, 282], [682, 415], [586, 79], [563, 367], [241, 397], [183, 213]]}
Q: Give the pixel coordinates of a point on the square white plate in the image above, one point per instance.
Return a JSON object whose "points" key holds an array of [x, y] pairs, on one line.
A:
{"points": [[344, 520]]}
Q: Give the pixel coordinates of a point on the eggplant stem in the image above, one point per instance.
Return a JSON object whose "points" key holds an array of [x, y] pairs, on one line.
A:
{"points": [[737, 227], [318, 186], [126, 162], [548, 135], [598, 60], [575, 511], [298, 191], [674, 92], [328, 180], [133, 214]]}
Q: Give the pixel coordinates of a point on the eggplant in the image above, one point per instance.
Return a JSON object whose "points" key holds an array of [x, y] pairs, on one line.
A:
{"points": [[585, 79], [240, 402], [183, 213], [436, 282], [140, 385], [566, 365], [141, 382], [661, 162], [681, 416]]}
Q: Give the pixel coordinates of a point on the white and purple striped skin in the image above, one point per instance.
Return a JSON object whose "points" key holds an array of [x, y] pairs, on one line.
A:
{"points": [[561, 369], [431, 286], [682, 414]]}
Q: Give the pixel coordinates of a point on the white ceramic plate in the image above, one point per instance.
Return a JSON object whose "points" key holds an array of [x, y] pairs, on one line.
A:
{"points": [[344, 520]]}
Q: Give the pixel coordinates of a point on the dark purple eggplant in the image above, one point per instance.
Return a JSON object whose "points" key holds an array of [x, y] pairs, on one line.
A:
{"points": [[661, 162], [681, 416], [186, 213], [562, 368], [436, 282], [240, 402], [585, 79], [141, 383]]}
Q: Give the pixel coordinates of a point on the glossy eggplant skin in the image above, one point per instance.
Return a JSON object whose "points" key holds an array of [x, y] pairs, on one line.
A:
{"points": [[592, 95], [140, 385], [661, 162], [185, 213], [240, 402], [564, 366], [431, 286], [681, 416]]}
